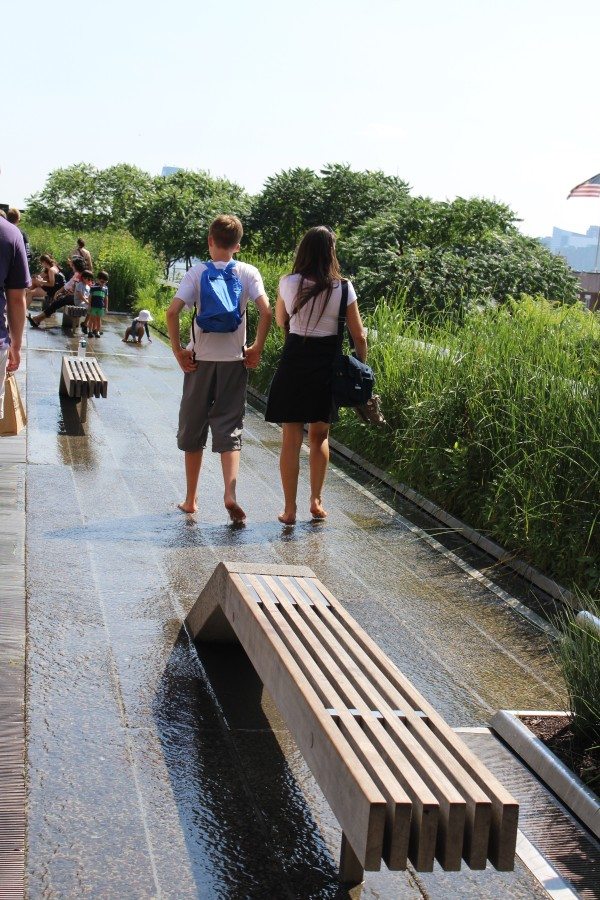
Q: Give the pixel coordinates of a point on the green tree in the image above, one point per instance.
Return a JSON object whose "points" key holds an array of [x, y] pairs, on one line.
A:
{"points": [[83, 198], [349, 198], [451, 256], [177, 211], [289, 203]]}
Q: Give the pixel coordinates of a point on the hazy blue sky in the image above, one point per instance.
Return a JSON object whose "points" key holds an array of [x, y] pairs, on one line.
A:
{"points": [[497, 98]]}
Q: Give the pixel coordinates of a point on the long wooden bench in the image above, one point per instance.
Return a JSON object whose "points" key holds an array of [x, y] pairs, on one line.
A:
{"points": [[401, 783], [81, 377]]}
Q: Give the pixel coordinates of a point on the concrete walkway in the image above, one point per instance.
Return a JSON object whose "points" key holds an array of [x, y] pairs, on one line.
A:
{"points": [[157, 773]]}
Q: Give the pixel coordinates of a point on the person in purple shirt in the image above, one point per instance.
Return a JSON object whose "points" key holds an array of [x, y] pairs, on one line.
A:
{"points": [[14, 279]]}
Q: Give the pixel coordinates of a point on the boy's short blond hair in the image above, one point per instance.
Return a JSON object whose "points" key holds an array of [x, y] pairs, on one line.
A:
{"points": [[226, 232]]}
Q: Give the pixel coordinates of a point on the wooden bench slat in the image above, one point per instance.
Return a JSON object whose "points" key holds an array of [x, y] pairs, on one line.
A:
{"points": [[415, 764], [373, 743], [399, 805], [357, 802], [505, 809], [439, 769], [82, 377]]}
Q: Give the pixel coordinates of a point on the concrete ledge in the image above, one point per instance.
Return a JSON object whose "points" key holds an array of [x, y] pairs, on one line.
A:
{"points": [[548, 585], [582, 801]]}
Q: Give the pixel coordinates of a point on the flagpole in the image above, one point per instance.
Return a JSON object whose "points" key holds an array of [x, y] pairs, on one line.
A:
{"points": [[597, 251]]}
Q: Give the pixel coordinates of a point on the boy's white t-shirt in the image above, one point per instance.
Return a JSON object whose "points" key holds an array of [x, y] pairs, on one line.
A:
{"points": [[317, 327], [210, 346]]}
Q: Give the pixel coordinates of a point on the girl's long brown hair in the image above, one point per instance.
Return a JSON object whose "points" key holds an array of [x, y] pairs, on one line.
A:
{"points": [[317, 262]]}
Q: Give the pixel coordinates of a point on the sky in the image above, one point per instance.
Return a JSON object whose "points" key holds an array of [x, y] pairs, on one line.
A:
{"points": [[492, 98]]}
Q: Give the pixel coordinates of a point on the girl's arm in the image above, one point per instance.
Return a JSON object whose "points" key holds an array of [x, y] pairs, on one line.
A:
{"points": [[281, 314], [356, 329]]}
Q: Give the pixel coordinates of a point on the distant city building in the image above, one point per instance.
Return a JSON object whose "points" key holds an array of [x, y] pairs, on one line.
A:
{"points": [[579, 250], [170, 170]]}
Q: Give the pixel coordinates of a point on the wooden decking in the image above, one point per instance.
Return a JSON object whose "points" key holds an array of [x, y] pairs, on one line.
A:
{"points": [[400, 781]]}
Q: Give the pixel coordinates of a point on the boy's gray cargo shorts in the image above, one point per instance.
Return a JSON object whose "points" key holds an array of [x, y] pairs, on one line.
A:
{"points": [[213, 396]]}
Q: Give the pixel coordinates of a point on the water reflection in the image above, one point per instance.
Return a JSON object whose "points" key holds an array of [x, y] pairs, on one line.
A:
{"points": [[248, 829]]}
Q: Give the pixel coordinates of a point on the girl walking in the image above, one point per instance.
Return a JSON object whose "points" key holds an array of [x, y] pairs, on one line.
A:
{"points": [[307, 308]]}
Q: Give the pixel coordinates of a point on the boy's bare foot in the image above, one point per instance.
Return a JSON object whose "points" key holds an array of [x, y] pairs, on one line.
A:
{"points": [[288, 516], [316, 509], [188, 507], [236, 513]]}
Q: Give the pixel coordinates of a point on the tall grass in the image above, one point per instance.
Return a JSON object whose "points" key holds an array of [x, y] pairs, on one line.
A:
{"points": [[578, 655], [496, 418]]}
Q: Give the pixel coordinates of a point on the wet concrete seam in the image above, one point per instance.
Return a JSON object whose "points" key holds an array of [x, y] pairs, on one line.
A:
{"points": [[226, 731], [119, 698]]}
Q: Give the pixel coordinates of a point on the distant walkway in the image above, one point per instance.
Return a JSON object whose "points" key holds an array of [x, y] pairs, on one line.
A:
{"points": [[153, 773]]}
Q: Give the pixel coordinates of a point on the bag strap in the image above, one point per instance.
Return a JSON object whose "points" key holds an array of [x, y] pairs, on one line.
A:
{"points": [[342, 316]]}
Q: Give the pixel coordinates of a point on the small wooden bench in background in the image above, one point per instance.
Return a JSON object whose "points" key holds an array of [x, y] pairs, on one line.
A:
{"points": [[400, 781], [81, 377], [72, 317]]}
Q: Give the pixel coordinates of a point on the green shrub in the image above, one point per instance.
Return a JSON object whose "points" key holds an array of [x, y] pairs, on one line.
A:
{"points": [[131, 266]]}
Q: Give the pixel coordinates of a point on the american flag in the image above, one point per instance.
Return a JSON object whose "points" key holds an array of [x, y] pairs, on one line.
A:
{"points": [[589, 188]]}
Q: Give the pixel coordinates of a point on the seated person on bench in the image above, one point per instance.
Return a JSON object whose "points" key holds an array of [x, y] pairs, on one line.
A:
{"points": [[63, 296], [45, 285]]}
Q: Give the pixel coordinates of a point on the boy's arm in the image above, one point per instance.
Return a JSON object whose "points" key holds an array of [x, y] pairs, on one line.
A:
{"points": [[183, 356], [265, 315]]}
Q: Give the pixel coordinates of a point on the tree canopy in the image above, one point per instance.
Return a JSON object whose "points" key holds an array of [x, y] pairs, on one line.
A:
{"points": [[83, 198], [440, 254]]}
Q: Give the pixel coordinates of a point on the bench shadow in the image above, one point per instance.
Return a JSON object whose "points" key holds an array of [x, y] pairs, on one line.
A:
{"points": [[70, 418], [245, 819]]}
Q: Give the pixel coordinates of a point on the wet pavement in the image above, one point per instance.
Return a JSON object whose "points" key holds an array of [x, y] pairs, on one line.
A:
{"points": [[158, 771]]}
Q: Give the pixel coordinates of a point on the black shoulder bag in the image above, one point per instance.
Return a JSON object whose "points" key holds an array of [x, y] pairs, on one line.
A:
{"points": [[353, 380]]}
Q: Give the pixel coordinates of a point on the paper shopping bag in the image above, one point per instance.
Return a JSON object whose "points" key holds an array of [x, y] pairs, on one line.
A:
{"points": [[14, 419]]}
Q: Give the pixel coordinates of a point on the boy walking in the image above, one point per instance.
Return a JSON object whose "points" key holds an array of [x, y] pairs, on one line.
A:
{"points": [[216, 361]]}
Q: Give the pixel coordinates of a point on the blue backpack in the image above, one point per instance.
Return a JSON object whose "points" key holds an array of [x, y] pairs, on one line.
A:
{"points": [[220, 292]]}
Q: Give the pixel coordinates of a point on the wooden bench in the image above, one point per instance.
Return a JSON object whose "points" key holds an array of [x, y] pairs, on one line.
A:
{"points": [[81, 377], [72, 316], [401, 783]]}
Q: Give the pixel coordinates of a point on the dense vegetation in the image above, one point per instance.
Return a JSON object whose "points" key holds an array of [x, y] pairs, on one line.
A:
{"points": [[487, 371], [443, 255]]}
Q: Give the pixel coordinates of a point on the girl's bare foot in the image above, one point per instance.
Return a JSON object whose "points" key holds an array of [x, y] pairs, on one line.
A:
{"points": [[188, 506], [316, 509], [288, 516], [236, 513]]}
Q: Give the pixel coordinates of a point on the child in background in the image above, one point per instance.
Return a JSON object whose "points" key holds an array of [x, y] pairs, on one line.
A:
{"points": [[81, 294], [98, 304], [138, 326]]}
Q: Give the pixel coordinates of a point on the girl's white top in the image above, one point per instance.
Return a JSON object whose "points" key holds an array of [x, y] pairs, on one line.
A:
{"points": [[318, 325]]}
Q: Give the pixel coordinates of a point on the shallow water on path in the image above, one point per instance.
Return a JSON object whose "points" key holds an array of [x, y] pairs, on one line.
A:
{"points": [[155, 771]]}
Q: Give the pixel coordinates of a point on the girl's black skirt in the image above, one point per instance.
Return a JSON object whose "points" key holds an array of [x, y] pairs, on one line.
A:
{"points": [[301, 386]]}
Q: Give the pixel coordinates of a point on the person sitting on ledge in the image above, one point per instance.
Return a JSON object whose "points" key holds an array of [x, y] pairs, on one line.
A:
{"points": [[45, 285], [63, 296]]}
